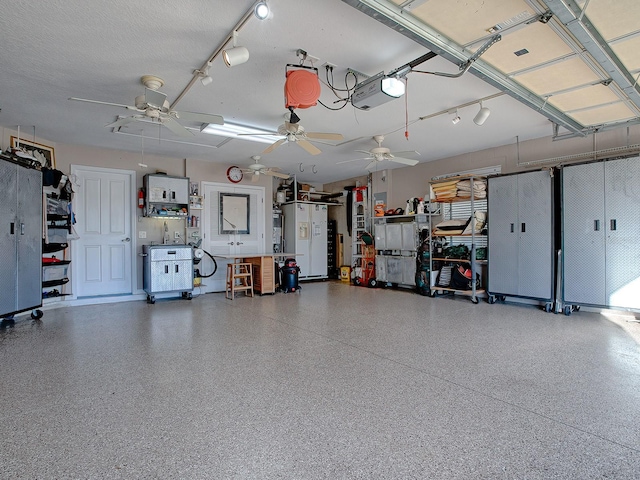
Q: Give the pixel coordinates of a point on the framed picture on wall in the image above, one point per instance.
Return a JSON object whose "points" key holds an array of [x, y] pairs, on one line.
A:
{"points": [[234, 214], [43, 153]]}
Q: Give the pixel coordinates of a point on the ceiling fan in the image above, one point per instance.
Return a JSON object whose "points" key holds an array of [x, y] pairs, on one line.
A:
{"points": [[153, 107], [258, 169], [293, 132], [380, 153]]}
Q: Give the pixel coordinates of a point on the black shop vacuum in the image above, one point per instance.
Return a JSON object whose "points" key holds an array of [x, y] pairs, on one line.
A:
{"points": [[289, 276]]}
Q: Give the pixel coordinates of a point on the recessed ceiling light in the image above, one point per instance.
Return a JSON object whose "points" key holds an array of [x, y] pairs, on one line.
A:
{"points": [[519, 53]]}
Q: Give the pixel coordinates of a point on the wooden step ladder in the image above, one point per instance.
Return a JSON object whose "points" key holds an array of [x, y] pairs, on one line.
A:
{"points": [[239, 279]]}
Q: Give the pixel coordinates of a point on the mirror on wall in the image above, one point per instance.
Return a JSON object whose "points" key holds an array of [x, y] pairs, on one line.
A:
{"points": [[234, 213]]}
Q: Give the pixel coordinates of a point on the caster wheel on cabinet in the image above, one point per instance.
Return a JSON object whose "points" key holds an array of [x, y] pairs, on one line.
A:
{"points": [[372, 283], [547, 307], [474, 300], [36, 314], [491, 299], [567, 310], [151, 299]]}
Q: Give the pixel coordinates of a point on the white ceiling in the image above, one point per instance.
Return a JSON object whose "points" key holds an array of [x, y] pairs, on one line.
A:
{"points": [[58, 49]]}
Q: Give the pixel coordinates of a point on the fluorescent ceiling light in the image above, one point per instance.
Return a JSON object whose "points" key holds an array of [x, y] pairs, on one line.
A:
{"points": [[232, 130], [393, 87]]}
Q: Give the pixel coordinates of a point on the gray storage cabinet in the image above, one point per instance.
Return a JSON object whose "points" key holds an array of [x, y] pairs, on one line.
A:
{"points": [[521, 237], [20, 239], [167, 268], [396, 244], [600, 232]]}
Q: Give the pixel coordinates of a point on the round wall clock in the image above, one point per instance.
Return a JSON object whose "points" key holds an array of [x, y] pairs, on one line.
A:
{"points": [[234, 174]]}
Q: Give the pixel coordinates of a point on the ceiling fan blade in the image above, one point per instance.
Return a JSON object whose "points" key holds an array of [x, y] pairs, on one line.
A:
{"points": [[371, 165], [364, 151], [122, 121], [274, 145], [155, 99], [276, 174], [404, 154], [309, 147], [129, 107], [353, 160], [404, 161], [200, 117], [324, 136], [173, 125]]}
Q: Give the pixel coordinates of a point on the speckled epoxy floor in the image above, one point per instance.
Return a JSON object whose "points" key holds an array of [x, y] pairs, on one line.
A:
{"points": [[335, 382]]}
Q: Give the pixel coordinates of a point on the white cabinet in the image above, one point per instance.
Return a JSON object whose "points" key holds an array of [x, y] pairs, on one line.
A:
{"points": [[305, 233], [166, 196]]}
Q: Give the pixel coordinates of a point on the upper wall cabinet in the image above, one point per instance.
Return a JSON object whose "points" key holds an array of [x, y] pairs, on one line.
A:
{"points": [[166, 196]]}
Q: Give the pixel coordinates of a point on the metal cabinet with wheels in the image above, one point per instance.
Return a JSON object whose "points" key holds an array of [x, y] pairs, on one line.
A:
{"points": [[168, 268], [20, 239], [521, 237], [600, 231]]}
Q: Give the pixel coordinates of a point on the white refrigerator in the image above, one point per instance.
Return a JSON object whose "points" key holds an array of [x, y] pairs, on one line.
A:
{"points": [[305, 233]]}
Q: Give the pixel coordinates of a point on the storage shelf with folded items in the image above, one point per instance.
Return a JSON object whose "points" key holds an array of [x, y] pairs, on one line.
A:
{"points": [[55, 262], [463, 234]]}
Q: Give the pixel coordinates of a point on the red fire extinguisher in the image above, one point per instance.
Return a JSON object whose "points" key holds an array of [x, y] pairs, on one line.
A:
{"points": [[141, 198]]}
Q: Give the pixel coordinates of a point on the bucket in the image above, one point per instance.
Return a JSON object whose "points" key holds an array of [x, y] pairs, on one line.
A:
{"points": [[345, 274]]}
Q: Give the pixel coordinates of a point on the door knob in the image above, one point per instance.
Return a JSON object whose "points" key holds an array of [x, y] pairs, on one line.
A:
{"points": [[239, 243], [126, 239]]}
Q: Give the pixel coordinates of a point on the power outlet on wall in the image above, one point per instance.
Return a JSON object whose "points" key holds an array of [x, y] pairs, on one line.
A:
{"points": [[142, 234], [176, 235]]}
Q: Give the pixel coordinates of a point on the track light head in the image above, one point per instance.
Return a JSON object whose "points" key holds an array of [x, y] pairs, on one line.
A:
{"points": [[235, 56], [456, 119], [261, 11], [206, 80], [482, 115]]}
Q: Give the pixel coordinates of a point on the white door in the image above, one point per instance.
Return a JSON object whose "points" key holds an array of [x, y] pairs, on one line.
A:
{"points": [[230, 236], [102, 256]]}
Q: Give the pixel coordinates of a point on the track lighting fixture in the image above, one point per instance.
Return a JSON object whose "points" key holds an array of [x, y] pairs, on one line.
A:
{"points": [[482, 115], [261, 11], [456, 119], [204, 75], [236, 55]]}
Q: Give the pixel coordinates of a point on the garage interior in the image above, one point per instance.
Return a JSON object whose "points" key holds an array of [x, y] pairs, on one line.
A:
{"points": [[334, 380]]}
